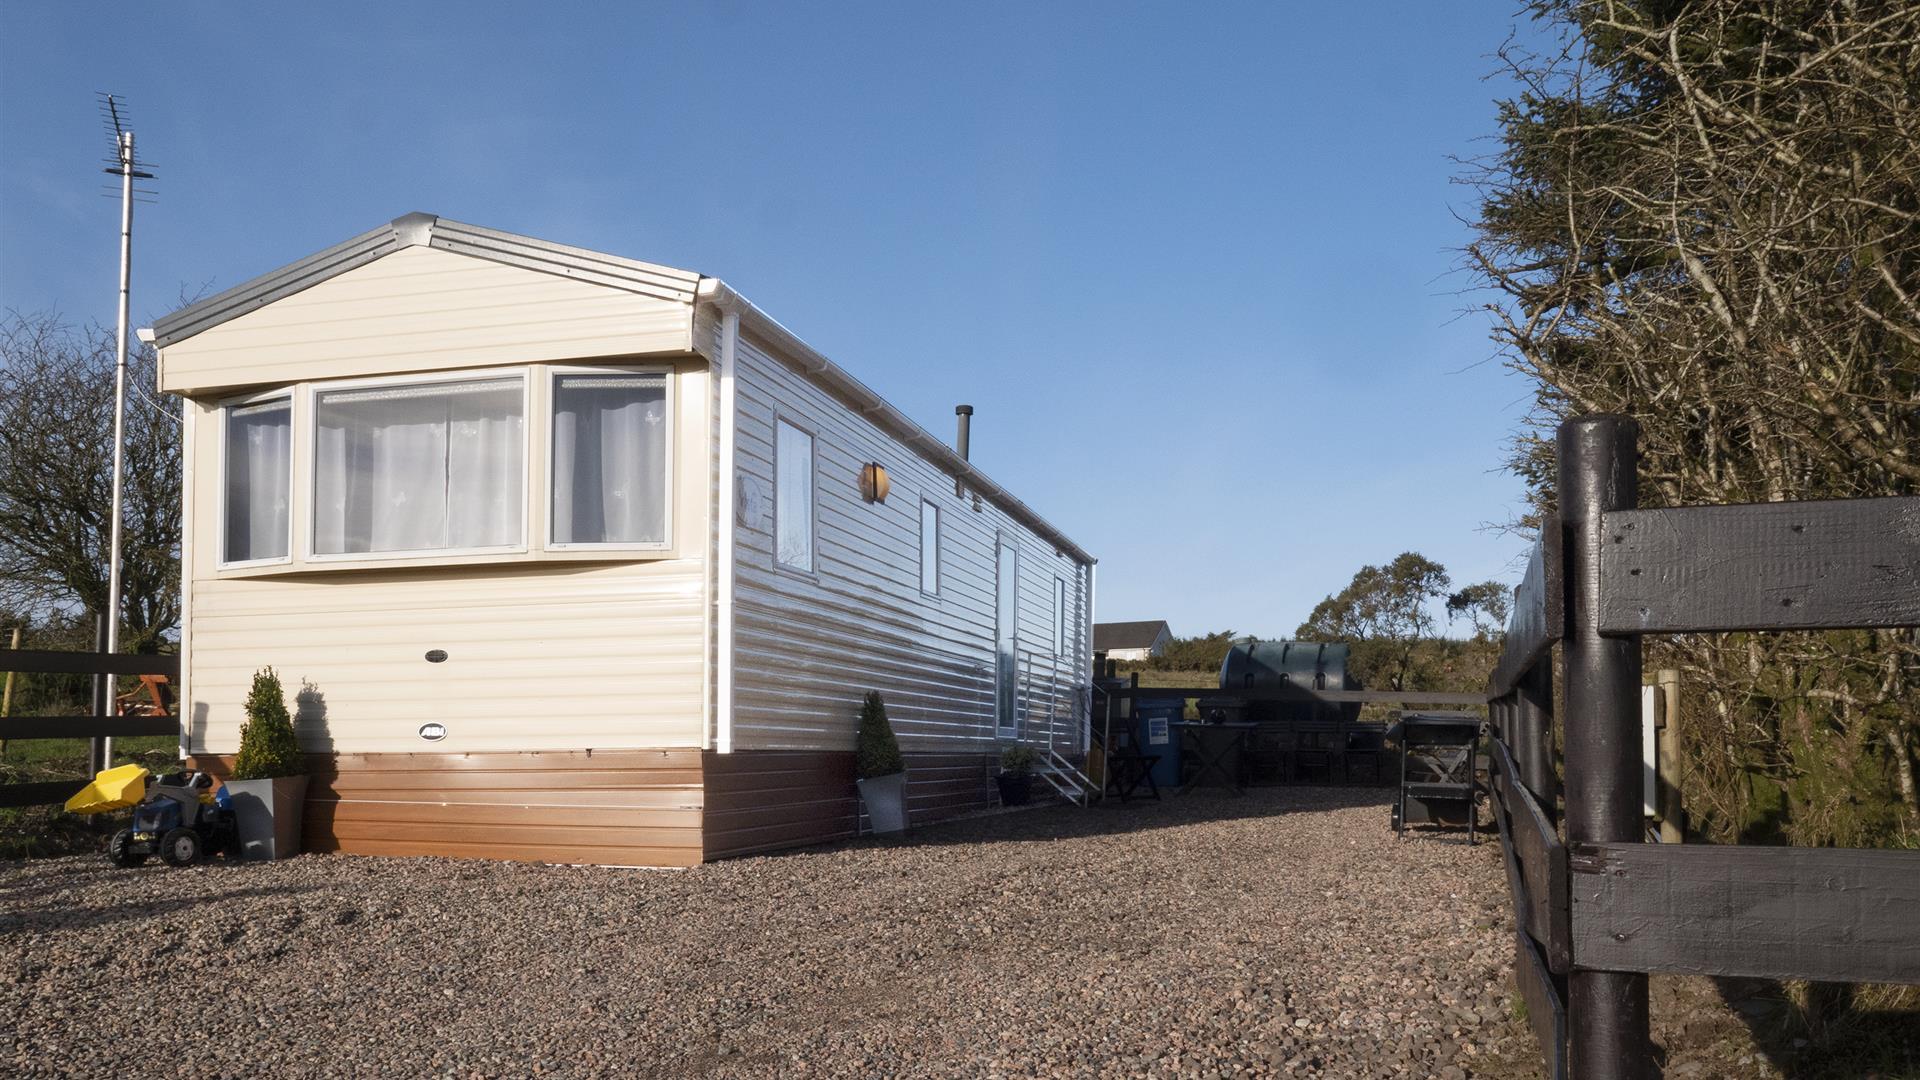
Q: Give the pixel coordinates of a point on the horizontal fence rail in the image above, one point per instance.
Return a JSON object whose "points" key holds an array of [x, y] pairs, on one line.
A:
{"points": [[1534, 914], [53, 662], [1829, 914], [1539, 617], [41, 792], [1841, 564], [86, 727], [1541, 859], [1301, 693]]}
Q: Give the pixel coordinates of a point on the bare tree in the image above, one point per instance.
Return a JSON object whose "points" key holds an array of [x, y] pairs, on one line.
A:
{"points": [[1707, 216], [56, 460]]}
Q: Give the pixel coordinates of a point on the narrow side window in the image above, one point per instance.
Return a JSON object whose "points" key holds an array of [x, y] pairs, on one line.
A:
{"points": [[258, 464], [929, 548], [1059, 616], [793, 497]]}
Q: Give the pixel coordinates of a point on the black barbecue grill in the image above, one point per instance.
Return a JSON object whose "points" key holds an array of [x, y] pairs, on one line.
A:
{"points": [[1437, 761]]}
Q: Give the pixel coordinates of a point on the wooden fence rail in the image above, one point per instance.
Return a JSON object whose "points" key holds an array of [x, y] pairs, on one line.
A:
{"points": [[100, 726], [1597, 910]]}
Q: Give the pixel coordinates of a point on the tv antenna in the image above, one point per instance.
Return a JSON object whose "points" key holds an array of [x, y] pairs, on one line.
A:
{"points": [[128, 167]]}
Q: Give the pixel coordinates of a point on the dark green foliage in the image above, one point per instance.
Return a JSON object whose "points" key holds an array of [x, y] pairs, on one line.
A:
{"points": [[1019, 760], [1204, 653], [268, 748], [878, 752]]}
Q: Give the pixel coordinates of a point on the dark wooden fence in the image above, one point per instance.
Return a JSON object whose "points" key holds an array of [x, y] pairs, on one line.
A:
{"points": [[102, 724], [1597, 909]]}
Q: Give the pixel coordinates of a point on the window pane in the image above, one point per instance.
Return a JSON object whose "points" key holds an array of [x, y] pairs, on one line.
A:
{"points": [[410, 468], [610, 459], [929, 547], [1006, 640], [259, 478], [793, 497]]}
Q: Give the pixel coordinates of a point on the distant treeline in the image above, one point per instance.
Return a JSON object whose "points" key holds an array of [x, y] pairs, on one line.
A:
{"points": [[1391, 618]]}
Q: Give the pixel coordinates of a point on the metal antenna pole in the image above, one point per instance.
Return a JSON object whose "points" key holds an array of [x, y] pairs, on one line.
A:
{"points": [[119, 410]]}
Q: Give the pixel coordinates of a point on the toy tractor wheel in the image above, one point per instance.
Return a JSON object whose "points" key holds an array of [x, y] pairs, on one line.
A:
{"points": [[120, 850], [180, 847]]}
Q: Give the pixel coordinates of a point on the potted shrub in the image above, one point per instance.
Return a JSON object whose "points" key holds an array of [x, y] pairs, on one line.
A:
{"points": [[1017, 763], [269, 783], [880, 771]]}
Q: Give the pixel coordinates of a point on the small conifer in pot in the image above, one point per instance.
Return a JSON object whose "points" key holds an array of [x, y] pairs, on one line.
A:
{"points": [[268, 748], [269, 785], [879, 768]]}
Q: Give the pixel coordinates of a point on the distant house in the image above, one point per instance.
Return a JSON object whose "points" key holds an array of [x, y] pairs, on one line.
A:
{"points": [[1131, 640]]}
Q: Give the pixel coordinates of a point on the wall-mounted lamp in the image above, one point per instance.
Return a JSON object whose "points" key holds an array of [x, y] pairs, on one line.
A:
{"points": [[874, 484]]}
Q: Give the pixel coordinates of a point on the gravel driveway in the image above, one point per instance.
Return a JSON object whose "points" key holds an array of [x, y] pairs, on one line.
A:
{"points": [[1284, 933]]}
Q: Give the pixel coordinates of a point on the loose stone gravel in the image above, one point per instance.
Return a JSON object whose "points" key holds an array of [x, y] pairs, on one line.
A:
{"points": [[1286, 933]]}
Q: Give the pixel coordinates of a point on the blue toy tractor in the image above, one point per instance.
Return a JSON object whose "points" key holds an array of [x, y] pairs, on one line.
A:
{"points": [[180, 819]]}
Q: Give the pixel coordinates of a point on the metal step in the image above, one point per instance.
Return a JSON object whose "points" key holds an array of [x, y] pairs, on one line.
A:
{"points": [[1069, 781]]}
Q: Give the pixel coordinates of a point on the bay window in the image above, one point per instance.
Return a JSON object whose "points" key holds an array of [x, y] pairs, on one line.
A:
{"points": [[257, 480], [612, 439], [420, 467]]}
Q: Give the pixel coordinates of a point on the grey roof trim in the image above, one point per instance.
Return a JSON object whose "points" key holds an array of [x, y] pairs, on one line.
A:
{"points": [[631, 275], [813, 365], [661, 282], [276, 284]]}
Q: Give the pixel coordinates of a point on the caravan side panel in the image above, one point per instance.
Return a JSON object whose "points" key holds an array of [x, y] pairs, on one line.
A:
{"points": [[809, 645]]}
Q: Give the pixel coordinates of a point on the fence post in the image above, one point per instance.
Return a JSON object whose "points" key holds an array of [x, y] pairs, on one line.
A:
{"points": [[102, 697], [1673, 819], [6, 699], [1607, 1017]]}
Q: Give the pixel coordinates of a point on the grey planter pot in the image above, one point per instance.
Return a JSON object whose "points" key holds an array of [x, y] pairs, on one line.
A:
{"points": [[266, 814], [886, 799]]}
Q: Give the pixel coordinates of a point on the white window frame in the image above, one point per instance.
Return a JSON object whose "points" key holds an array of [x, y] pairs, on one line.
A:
{"points": [[554, 372], [311, 494], [287, 394], [813, 501], [926, 588]]}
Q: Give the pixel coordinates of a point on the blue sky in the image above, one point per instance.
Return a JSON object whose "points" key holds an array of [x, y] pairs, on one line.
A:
{"points": [[1195, 267]]}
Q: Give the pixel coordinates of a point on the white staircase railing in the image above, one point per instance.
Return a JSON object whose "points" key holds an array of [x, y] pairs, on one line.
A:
{"points": [[1067, 779]]}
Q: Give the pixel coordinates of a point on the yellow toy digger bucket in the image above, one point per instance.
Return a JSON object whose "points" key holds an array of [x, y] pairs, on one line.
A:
{"points": [[112, 789]]}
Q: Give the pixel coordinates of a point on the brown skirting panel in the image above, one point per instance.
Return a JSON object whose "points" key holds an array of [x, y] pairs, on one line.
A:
{"points": [[945, 785], [761, 800], [764, 800], [610, 807]]}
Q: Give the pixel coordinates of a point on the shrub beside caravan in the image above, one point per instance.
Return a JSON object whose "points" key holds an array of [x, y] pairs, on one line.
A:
{"points": [[579, 559]]}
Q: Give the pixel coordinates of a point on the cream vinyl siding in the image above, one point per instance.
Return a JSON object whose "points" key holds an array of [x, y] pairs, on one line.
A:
{"points": [[423, 309], [808, 647], [547, 657]]}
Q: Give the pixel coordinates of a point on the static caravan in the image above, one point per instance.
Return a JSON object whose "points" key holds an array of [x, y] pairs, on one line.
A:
{"points": [[581, 559]]}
